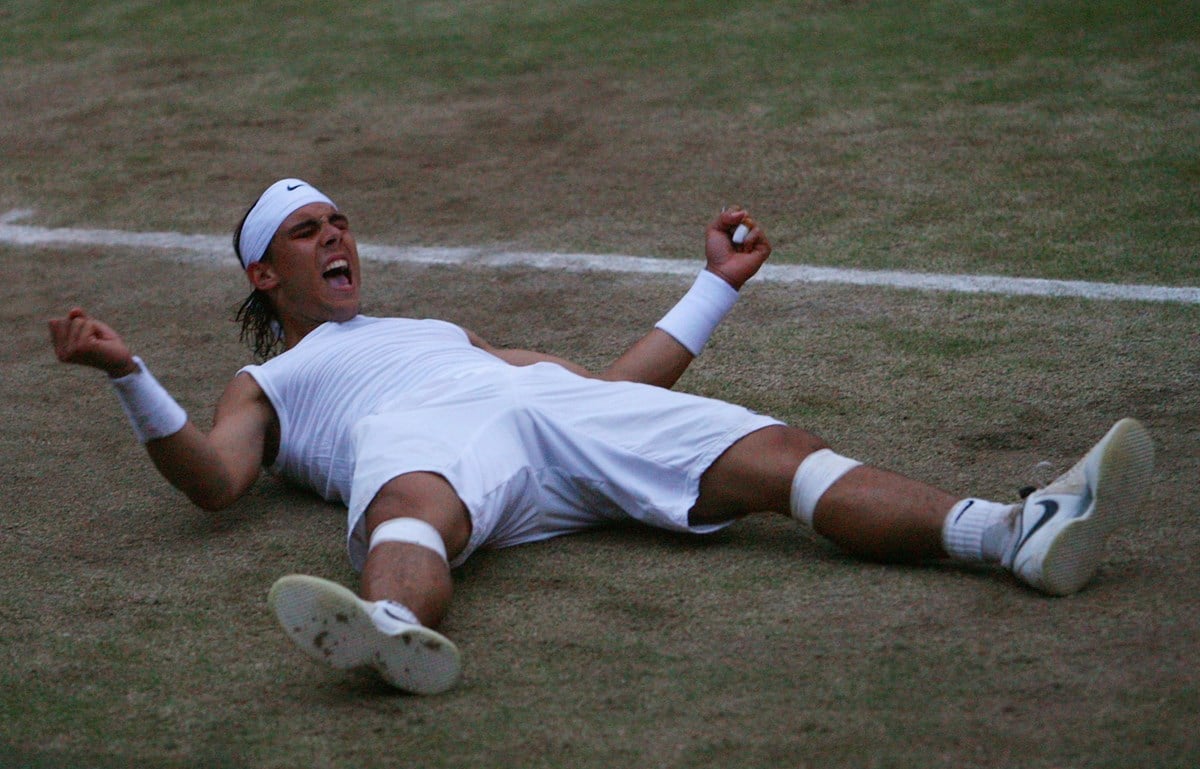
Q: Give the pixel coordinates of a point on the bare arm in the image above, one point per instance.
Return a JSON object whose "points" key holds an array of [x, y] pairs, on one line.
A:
{"points": [[658, 358], [216, 469], [213, 470]]}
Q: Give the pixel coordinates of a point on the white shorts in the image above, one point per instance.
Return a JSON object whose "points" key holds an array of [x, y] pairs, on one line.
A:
{"points": [[541, 452]]}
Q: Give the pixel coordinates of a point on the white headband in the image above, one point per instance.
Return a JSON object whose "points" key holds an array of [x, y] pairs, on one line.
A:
{"points": [[276, 204]]}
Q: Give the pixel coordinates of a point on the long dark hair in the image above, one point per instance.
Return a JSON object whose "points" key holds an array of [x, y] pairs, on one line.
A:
{"points": [[260, 325]]}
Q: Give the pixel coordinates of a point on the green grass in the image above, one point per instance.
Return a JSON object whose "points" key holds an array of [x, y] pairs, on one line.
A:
{"points": [[1045, 139]]}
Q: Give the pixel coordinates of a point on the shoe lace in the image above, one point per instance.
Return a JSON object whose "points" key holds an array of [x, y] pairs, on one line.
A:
{"points": [[1040, 474]]}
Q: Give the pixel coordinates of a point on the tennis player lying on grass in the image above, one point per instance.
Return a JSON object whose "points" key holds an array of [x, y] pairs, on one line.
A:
{"points": [[439, 444]]}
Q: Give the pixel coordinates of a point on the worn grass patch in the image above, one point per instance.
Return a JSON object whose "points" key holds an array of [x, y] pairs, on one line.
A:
{"points": [[138, 631]]}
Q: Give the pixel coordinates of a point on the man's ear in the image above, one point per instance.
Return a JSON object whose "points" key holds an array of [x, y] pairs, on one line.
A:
{"points": [[262, 276]]}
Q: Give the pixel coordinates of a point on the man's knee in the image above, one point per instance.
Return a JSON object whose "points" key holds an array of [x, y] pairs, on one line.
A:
{"points": [[754, 474], [426, 497], [784, 445], [767, 455]]}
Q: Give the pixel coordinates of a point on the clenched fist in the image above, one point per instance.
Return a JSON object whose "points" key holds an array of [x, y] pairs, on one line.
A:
{"points": [[80, 338]]}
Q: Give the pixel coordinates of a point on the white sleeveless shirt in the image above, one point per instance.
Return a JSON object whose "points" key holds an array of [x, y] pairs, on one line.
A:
{"points": [[342, 372]]}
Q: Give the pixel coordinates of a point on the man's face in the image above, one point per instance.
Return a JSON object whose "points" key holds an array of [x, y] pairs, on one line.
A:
{"points": [[314, 273]]}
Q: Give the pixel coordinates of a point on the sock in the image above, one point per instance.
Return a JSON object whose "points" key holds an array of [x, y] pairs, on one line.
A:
{"points": [[978, 530], [392, 616]]}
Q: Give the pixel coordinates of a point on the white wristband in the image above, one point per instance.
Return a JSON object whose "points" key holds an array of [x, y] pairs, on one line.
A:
{"points": [[692, 321], [152, 411]]}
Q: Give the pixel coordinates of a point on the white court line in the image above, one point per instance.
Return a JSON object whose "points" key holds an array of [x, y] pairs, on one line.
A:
{"points": [[218, 251]]}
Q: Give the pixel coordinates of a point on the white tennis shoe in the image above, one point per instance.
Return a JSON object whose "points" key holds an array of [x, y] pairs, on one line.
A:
{"points": [[1061, 529], [332, 624]]}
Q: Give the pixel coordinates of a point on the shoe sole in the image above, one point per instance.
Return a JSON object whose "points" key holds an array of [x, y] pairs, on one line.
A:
{"points": [[1119, 478], [329, 623]]}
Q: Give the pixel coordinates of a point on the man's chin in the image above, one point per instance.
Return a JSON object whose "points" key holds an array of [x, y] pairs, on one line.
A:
{"points": [[343, 314]]}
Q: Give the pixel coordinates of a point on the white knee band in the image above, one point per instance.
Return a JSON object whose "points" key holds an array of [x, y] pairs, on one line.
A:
{"points": [[819, 470], [410, 530], [152, 412], [692, 321]]}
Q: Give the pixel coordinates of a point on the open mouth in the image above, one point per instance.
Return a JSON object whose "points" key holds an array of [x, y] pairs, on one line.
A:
{"points": [[337, 274]]}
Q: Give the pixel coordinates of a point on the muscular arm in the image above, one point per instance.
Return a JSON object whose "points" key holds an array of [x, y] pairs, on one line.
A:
{"points": [[657, 358], [212, 469], [216, 469]]}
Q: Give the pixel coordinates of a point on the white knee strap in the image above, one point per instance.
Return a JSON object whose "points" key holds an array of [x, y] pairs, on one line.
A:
{"points": [[819, 470], [411, 531]]}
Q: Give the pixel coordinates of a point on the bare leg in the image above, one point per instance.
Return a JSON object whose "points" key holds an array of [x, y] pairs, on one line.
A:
{"points": [[333, 625], [411, 574], [868, 512], [877, 514]]}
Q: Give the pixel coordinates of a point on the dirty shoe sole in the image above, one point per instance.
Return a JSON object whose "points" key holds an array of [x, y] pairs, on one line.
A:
{"points": [[331, 624], [1117, 473]]}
